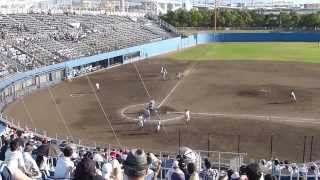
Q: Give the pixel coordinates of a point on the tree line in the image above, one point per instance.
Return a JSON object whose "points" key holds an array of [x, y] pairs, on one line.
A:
{"points": [[241, 18]]}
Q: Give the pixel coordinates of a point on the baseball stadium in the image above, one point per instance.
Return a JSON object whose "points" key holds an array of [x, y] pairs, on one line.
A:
{"points": [[83, 87]]}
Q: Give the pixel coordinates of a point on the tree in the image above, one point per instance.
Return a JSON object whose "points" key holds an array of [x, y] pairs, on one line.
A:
{"points": [[238, 18], [196, 18], [285, 20], [295, 19]]}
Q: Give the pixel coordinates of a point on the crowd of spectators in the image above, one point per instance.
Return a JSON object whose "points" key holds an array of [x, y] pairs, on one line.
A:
{"points": [[33, 40], [26, 156]]}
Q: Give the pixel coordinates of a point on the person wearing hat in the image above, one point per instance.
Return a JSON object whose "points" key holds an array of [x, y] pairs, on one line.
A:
{"points": [[175, 173], [136, 166]]}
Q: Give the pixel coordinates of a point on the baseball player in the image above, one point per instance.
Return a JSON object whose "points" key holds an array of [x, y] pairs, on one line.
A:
{"points": [[179, 75], [146, 114], [187, 115], [293, 96], [162, 70], [158, 126], [98, 86], [140, 122], [164, 74], [152, 105]]}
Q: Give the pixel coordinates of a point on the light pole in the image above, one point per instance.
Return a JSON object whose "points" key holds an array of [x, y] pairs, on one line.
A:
{"points": [[215, 15]]}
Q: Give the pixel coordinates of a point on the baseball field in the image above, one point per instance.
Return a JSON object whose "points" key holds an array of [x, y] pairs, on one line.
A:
{"points": [[238, 95]]}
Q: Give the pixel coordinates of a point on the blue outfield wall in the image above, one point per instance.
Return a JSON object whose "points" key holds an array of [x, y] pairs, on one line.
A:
{"points": [[266, 37], [166, 46]]}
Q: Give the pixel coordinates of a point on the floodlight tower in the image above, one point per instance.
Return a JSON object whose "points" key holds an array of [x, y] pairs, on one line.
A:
{"points": [[215, 15]]}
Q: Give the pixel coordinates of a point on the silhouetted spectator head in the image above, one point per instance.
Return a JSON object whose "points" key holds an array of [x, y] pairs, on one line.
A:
{"points": [[207, 163], [44, 141], [19, 133], [86, 169], [14, 145], [191, 168], [67, 151], [243, 170], [28, 148], [88, 155], [253, 172]]}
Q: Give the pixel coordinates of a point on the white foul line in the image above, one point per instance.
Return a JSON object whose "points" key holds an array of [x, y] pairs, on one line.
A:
{"points": [[174, 88], [257, 117]]}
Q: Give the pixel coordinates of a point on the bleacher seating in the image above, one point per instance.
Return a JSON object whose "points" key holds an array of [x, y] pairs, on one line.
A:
{"points": [[33, 40]]}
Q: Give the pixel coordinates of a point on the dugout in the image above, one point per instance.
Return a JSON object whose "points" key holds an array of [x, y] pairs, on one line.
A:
{"points": [[116, 60]]}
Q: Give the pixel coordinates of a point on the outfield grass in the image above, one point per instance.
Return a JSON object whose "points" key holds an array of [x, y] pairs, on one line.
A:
{"points": [[297, 52]]}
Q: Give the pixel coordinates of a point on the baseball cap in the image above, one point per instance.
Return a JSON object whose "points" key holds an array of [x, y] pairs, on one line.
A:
{"points": [[136, 163]]}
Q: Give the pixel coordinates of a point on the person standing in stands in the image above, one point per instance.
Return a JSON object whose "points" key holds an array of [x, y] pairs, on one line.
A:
{"points": [[64, 167], [86, 170], [192, 171], [175, 173], [208, 173], [116, 167], [31, 166], [3, 150], [153, 162], [20, 140], [14, 157]]}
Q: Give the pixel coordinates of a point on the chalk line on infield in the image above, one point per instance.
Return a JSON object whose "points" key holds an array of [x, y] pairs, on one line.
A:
{"points": [[187, 72], [122, 113]]}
